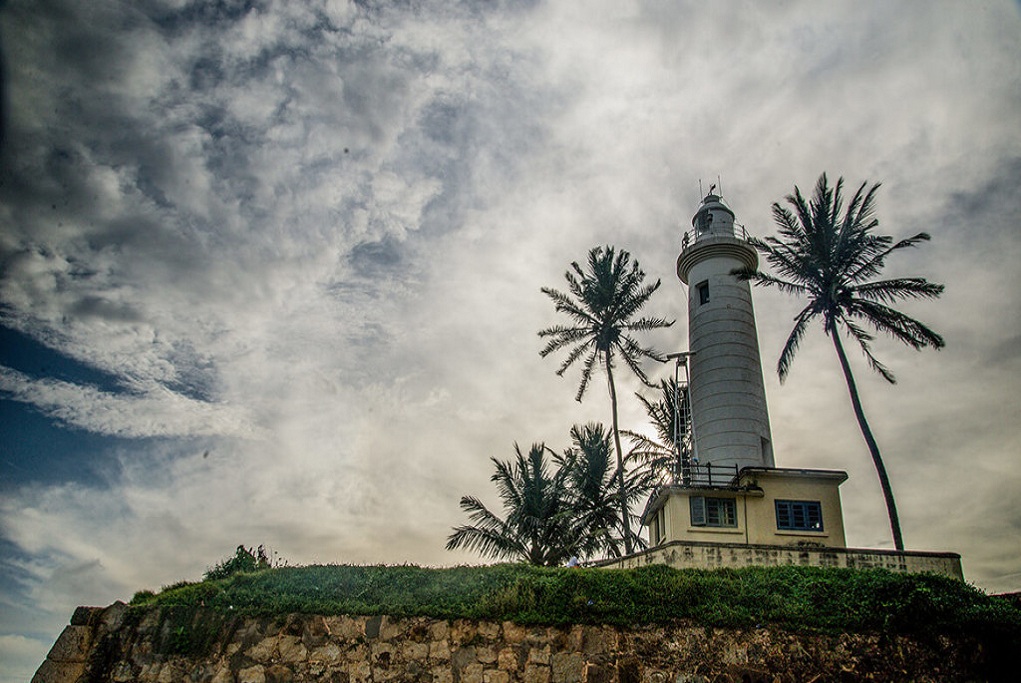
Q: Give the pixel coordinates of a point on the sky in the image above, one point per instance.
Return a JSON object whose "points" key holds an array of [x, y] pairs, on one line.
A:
{"points": [[270, 271]]}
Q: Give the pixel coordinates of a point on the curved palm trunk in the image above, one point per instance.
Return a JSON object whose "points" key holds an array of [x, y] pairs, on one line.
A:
{"points": [[884, 480], [624, 512]]}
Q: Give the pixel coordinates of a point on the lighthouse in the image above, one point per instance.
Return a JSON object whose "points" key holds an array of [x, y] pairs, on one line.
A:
{"points": [[732, 506], [730, 420]]}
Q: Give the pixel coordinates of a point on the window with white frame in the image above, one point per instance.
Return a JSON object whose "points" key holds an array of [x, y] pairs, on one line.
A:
{"points": [[716, 512], [799, 515]]}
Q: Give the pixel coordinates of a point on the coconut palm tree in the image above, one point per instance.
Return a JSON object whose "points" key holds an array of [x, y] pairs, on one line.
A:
{"points": [[603, 303], [665, 456], [591, 480], [831, 255], [537, 527]]}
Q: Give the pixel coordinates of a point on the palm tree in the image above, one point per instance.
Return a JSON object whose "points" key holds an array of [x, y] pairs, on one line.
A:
{"points": [[832, 259], [665, 456], [602, 304], [590, 479], [537, 527]]}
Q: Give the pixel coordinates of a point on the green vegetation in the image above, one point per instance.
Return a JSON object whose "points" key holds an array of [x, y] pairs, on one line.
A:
{"points": [[663, 459], [833, 261], [244, 560], [537, 516], [797, 598], [552, 510]]}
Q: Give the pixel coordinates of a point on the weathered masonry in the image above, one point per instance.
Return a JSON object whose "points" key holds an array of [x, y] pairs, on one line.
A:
{"points": [[122, 644]]}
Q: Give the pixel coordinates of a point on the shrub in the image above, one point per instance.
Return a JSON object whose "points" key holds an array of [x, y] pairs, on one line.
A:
{"points": [[244, 560]]}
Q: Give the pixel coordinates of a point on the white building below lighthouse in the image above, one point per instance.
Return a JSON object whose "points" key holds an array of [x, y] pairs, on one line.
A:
{"points": [[731, 506]]}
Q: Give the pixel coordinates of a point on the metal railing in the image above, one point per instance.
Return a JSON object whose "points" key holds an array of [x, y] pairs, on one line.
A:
{"points": [[709, 475], [690, 237]]}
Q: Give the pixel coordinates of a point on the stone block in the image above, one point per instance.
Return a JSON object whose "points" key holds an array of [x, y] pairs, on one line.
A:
{"points": [[372, 626], [495, 676], [486, 654], [72, 645], [58, 672], [382, 655], [360, 672], [439, 651], [472, 673], [462, 657], [344, 628], [416, 652], [575, 639], [442, 674], [252, 674], [291, 649], [278, 673], [314, 632], [568, 668], [86, 616], [462, 631], [263, 651], [113, 616], [393, 629], [598, 640], [149, 671], [329, 653], [489, 630], [168, 673], [439, 631], [514, 634], [596, 673], [535, 673], [223, 675], [539, 655], [122, 673], [509, 659]]}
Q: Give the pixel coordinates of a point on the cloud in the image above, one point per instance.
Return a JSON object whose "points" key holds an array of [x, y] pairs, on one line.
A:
{"points": [[146, 411], [23, 655]]}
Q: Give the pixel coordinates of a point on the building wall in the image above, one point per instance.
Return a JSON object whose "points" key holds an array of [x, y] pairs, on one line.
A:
{"points": [[756, 511], [762, 511], [699, 555]]}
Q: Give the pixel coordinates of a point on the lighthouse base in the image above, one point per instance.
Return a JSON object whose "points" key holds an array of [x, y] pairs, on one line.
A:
{"points": [[706, 555]]}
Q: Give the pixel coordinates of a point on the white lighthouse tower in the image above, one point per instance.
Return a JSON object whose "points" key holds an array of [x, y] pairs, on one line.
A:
{"points": [[730, 421]]}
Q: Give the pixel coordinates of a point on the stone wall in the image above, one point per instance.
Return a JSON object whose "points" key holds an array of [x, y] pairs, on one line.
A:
{"points": [[699, 555], [168, 645]]}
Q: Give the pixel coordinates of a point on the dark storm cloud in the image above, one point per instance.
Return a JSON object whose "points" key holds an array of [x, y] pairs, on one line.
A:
{"points": [[97, 307]]}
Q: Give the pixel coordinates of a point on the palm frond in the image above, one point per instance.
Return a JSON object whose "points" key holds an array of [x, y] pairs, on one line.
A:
{"points": [[888, 291], [586, 373], [766, 280], [790, 347], [877, 258], [912, 332], [864, 340]]}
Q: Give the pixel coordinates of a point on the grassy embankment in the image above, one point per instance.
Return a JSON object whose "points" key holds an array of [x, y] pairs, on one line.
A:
{"points": [[798, 598]]}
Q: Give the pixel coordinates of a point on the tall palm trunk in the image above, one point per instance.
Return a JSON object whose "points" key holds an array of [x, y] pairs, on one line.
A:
{"points": [[625, 514], [884, 480]]}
